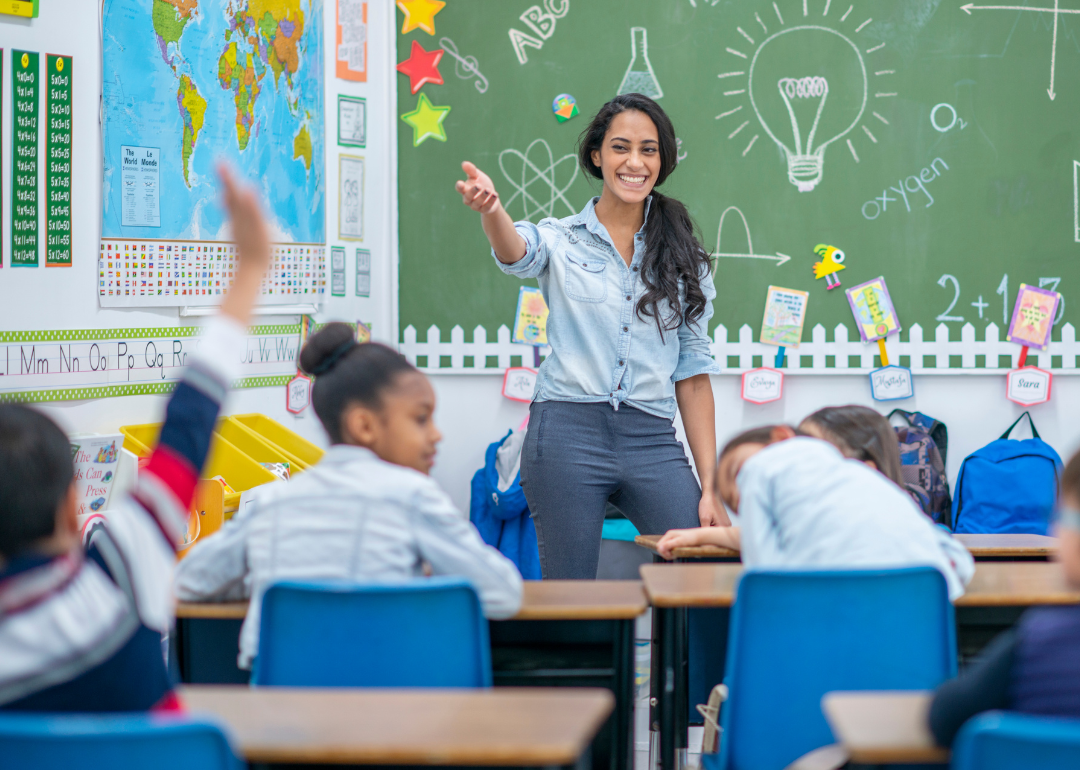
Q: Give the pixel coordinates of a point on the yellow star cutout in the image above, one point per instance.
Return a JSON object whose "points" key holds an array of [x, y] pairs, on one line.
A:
{"points": [[426, 121], [419, 14]]}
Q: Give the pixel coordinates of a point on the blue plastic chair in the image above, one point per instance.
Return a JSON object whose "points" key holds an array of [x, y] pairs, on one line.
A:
{"points": [[422, 633], [117, 742], [999, 741], [797, 635]]}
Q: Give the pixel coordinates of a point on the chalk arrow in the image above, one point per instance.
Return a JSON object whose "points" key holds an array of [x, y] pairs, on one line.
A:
{"points": [[779, 259], [1053, 53], [972, 7]]}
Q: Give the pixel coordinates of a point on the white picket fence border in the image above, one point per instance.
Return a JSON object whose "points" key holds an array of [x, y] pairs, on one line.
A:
{"points": [[923, 356]]}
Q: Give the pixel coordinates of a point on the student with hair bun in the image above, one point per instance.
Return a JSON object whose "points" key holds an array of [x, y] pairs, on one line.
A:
{"points": [[368, 510]]}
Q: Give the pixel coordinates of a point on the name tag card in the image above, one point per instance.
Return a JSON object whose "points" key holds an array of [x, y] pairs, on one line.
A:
{"points": [[760, 386], [519, 383], [891, 383], [1029, 386], [298, 394]]}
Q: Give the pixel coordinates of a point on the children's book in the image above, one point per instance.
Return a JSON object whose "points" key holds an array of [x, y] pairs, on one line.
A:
{"points": [[96, 463]]}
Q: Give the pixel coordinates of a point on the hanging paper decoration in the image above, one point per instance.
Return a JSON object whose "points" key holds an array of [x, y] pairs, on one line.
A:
{"points": [[876, 318], [565, 107], [1031, 326], [519, 383], [762, 385], [785, 314], [298, 394]]}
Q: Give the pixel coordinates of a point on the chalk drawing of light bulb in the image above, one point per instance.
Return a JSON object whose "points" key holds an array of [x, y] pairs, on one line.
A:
{"points": [[808, 87], [639, 77]]}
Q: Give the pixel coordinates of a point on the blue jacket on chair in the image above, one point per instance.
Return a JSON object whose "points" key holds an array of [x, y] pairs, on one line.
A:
{"points": [[503, 518]]}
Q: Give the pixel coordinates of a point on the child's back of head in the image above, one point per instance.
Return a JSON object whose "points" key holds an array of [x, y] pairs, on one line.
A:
{"points": [[38, 471], [860, 433], [369, 395]]}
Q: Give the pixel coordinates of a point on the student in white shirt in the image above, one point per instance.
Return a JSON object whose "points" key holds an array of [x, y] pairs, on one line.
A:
{"points": [[801, 504], [367, 511]]}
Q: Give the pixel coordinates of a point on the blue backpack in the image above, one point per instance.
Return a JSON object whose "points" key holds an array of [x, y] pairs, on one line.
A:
{"points": [[1007, 486]]}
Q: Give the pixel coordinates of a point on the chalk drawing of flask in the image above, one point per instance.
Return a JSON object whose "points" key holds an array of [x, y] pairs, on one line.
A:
{"points": [[639, 77]]}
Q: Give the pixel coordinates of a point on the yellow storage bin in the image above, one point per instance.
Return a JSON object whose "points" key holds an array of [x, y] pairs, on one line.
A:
{"points": [[285, 440], [254, 446], [241, 471]]}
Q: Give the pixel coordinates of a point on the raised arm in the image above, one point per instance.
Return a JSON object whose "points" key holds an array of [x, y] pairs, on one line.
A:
{"points": [[478, 193], [145, 532]]}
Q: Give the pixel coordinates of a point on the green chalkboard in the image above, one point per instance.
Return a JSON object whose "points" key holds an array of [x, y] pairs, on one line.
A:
{"points": [[953, 175]]}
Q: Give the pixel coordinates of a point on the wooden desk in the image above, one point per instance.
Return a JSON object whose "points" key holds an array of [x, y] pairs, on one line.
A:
{"points": [[883, 728], [982, 547], [541, 600], [998, 594], [509, 727], [568, 633]]}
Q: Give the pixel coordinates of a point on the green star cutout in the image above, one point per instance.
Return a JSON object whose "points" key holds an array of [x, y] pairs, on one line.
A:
{"points": [[426, 121]]}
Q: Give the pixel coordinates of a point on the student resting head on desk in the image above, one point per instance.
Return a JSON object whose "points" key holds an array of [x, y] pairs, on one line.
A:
{"points": [[802, 504], [367, 511], [1033, 667]]}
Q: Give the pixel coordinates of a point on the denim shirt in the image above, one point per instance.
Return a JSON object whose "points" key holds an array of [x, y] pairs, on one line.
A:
{"points": [[601, 350]]}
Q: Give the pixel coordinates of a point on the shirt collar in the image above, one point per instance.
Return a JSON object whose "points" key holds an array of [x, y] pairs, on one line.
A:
{"points": [[587, 217], [348, 453]]}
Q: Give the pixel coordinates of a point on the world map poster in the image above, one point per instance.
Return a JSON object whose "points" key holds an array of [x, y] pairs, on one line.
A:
{"points": [[188, 84]]}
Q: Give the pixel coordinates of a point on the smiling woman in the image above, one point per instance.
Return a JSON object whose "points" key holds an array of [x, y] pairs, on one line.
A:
{"points": [[630, 291]]}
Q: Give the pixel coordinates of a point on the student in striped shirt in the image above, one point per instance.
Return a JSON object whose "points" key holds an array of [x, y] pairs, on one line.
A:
{"points": [[82, 631]]}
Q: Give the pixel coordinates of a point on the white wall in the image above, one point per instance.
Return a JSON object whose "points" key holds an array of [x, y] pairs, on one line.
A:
{"points": [[472, 413], [66, 298]]}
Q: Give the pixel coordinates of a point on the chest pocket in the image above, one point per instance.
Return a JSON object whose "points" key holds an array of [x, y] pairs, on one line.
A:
{"points": [[586, 278]]}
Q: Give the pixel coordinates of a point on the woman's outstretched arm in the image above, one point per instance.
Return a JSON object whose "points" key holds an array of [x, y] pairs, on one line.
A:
{"points": [[478, 193]]}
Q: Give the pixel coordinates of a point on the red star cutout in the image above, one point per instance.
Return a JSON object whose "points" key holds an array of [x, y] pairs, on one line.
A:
{"points": [[422, 66]]}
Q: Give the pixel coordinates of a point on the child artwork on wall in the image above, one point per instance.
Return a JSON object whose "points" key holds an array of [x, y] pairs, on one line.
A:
{"points": [[873, 310], [530, 321], [785, 314], [1033, 317]]}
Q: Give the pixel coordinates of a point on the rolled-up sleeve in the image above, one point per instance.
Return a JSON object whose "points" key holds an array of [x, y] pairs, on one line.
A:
{"points": [[540, 240], [694, 344]]}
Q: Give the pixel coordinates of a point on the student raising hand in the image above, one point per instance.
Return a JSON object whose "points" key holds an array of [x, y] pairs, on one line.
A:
{"points": [[252, 238], [478, 193]]}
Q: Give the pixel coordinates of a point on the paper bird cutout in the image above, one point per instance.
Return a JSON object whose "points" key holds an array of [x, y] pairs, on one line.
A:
{"points": [[426, 121], [419, 14], [421, 67]]}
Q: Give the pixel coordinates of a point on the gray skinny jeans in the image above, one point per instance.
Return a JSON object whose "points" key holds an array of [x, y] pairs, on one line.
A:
{"points": [[577, 457]]}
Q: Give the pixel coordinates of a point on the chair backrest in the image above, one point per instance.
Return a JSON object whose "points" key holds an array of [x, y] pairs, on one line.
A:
{"points": [[421, 633], [116, 742], [796, 635], [999, 741]]}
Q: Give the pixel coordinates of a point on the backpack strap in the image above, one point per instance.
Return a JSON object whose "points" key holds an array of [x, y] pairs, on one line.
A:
{"points": [[1031, 422], [902, 413]]}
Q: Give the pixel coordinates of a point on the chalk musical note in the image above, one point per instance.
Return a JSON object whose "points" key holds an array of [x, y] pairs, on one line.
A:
{"points": [[465, 67]]}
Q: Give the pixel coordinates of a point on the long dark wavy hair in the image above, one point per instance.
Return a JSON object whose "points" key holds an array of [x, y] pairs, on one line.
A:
{"points": [[673, 249]]}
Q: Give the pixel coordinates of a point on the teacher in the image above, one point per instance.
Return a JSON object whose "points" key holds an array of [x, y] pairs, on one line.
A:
{"points": [[630, 290]]}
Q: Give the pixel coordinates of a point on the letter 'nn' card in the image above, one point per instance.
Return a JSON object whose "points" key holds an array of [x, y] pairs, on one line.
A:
{"points": [[1033, 317]]}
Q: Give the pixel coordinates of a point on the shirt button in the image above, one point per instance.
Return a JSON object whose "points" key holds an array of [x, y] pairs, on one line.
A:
{"points": [[627, 297], [620, 363], [626, 328]]}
